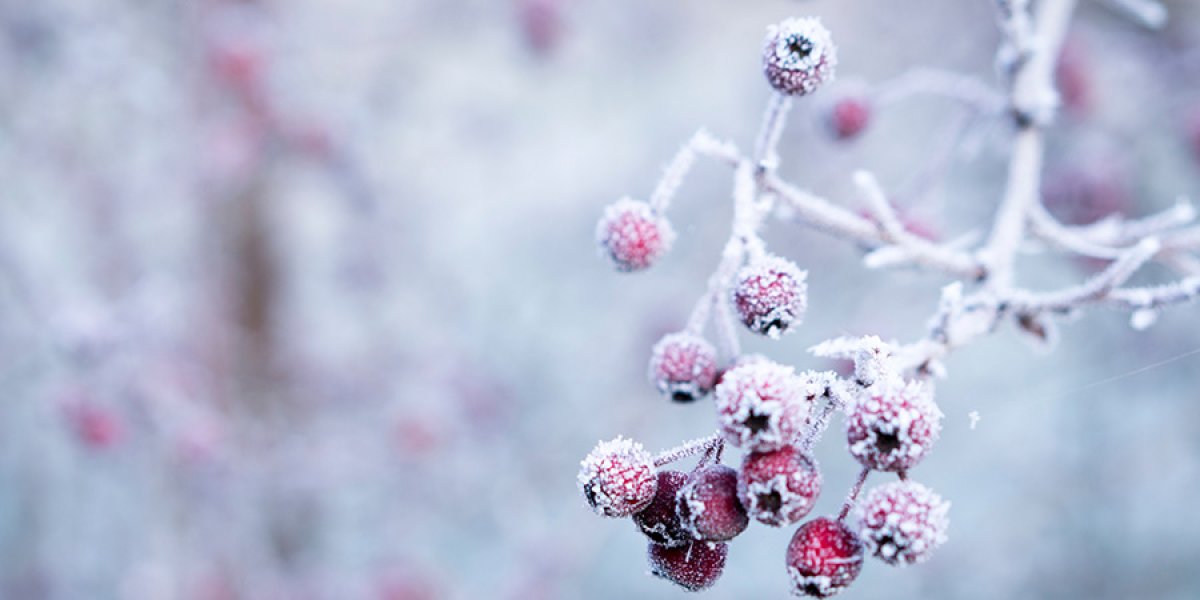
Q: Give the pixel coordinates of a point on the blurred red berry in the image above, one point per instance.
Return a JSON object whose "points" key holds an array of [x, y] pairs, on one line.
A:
{"points": [[683, 366], [849, 117], [541, 22], [902, 522], [693, 567], [1072, 76], [779, 487], [823, 558], [633, 235]]}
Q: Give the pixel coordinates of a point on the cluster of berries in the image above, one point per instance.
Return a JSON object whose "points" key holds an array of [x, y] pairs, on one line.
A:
{"points": [[769, 411]]}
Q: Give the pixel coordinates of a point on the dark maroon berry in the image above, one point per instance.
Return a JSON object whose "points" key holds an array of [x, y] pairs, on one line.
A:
{"points": [[693, 567], [708, 505], [659, 521]]}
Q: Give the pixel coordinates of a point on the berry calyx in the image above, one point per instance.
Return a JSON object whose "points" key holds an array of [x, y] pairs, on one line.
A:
{"points": [[659, 521], [798, 56], [892, 427], [902, 522], [779, 487], [683, 366], [761, 406], [708, 505], [770, 295], [693, 567], [618, 478], [823, 558], [633, 235]]}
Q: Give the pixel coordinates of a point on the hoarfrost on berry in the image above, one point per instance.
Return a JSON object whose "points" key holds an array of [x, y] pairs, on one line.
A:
{"points": [[770, 295], [779, 487], [708, 505], [633, 235], [659, 521], [891, 428], [761, 406], [693, 567], [618, 478], [799, 56], [902, 522], [823, 558], [683, 366]]}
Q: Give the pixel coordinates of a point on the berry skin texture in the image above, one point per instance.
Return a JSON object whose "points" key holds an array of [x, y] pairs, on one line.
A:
{"points": [[683, 366], [780, 487], [892, 427], [849, 117], [770, 296], [693, 567], [618, 478], [761, 406], [659, 521], [903, 522], [633, 235], [798, 56], [824, 558], [708, 505]]}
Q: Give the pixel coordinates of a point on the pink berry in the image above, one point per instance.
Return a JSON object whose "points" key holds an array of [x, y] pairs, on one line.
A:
{"points": [[693, 567], [902, 522], [708, 505], [849, 117], [659, 521], [798, 56], [1193, 132], [770, 295], [633, 235], [823, 558], [618, 478], [1072, 76], [683, 366], [892, 427], [779, 487], [761, 406]]}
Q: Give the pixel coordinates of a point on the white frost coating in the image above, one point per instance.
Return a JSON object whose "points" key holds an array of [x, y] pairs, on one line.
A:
{"points": [[892, 428], [617, 478], [902, 522], [1142, 320], [799, 55], [632, 235], [770, 295], [761, 405], [683, 366]]}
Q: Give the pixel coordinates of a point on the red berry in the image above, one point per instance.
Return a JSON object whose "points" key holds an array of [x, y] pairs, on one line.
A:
{"points": [[902, 522], [683, 366], [761, 406], [892, 427], [1072, 77], [779, 487], [541, 22], [659, 521], [798, 56], [708, 505], [694, 567], [849, 117], [770, 295], [618, 478], [633, 235], [823, 558], [1193, 132]]}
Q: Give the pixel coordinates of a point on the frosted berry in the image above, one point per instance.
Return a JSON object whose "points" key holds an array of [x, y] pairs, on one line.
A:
{"points": [[618, 478], [633, 235], [770, 295], [849, 117], [693, 567], [779, 487], [798, 56], [708, 505], [761, 406], [659, 521], [902, 522], [823, 558], [683, 366], [892, 427]]}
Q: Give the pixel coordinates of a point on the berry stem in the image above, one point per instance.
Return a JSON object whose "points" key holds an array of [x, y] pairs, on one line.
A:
{"points": [[686, 449], [818, 425], [774, 120], [852, 496], [672, 178]]}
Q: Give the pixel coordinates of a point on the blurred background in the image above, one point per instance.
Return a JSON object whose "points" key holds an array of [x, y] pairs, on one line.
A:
{"points": [[301, 300]]}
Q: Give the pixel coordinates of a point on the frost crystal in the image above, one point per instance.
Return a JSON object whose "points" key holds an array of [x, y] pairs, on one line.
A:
{"points": [[892, 428], [632, 235], [618, 478], [798, 56], [693, 567], [902, 522], [761, 405]]}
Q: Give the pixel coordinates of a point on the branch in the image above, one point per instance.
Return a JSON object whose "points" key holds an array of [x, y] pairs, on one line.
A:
{"points": [[1092, 290]]}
